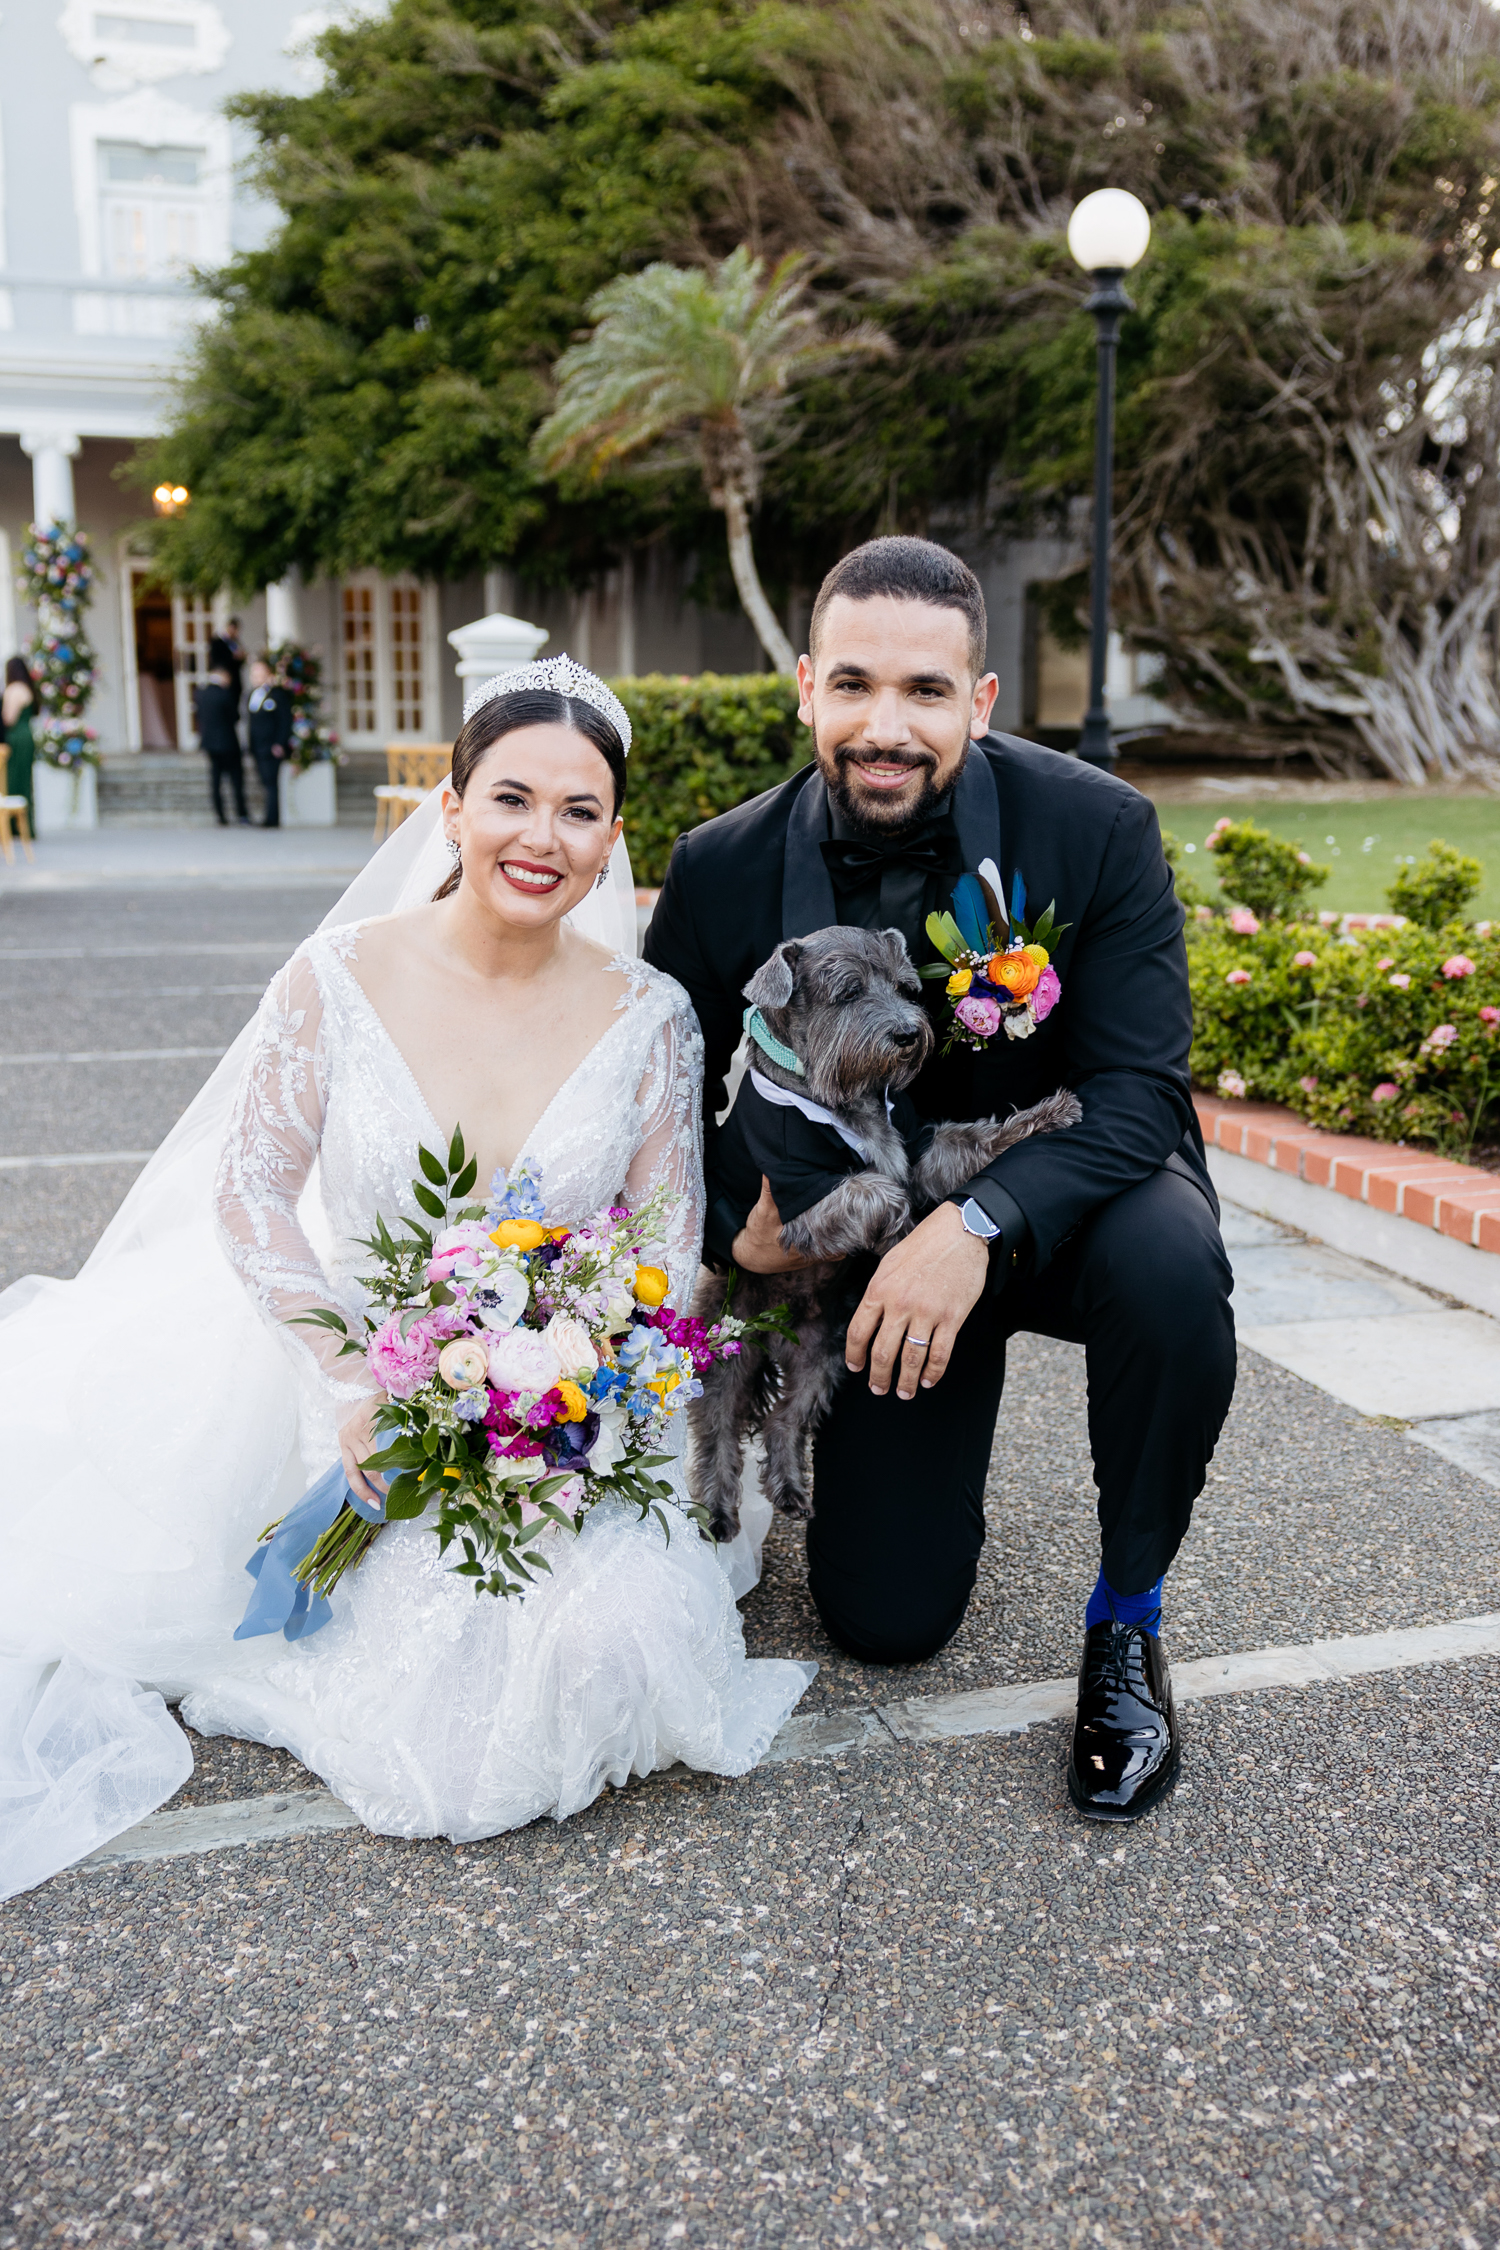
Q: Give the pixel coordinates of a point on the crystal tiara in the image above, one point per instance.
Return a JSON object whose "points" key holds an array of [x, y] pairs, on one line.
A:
{"points": [[563, 677]]}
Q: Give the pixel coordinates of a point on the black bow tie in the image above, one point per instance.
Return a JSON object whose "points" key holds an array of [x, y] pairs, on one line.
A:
{"points": [[857, 859]]}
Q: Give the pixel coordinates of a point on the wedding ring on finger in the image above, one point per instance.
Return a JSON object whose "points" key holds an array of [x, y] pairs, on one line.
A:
{"points": [[921, 1342]]}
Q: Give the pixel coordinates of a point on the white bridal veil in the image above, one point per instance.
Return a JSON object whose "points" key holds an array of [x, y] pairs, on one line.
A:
{"points": [[150, 1424]]}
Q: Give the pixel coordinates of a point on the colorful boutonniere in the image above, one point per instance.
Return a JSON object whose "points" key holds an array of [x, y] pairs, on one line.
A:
{"points": [[998, 970]]}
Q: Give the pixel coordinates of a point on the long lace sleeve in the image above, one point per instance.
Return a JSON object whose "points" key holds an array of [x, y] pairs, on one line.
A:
{"points": [[670, 1098], [274, 1135]]}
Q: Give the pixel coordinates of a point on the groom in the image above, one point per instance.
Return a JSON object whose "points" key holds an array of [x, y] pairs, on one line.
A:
{"points": [[1105, 1235]]}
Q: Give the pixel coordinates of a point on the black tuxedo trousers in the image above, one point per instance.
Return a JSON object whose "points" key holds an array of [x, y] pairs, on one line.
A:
{"points": [[899, 1484]]}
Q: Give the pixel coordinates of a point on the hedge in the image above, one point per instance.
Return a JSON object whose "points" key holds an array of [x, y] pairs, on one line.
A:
{"points": [[700, 747], [1390, 1033]]}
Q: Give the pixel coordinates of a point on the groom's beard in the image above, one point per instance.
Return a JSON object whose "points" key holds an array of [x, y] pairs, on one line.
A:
{"points": [[870, 811]]}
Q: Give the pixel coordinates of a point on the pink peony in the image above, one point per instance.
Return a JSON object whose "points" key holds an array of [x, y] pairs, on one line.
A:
{"points": [[521, 1360], [1385, 1091], [1304, 960], [978, 1015], [402, 1364], [1401, 980], [1238, 976], [1243, 922], [1047, 994], [1458, 965]]}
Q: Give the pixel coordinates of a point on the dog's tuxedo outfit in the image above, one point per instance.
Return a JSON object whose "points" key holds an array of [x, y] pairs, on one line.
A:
{"points": [[1108, 1233]]}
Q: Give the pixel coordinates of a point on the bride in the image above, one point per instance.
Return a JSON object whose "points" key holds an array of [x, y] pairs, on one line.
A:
{"points": [[160, 1410]]}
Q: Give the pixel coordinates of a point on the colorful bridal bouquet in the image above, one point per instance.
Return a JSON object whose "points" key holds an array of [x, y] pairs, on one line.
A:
{"points": [[530, 1372], [999, 972]]}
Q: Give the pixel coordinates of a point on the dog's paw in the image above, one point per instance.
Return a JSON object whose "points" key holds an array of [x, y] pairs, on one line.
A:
{"points": [[789, 1499], [723, 1525]]}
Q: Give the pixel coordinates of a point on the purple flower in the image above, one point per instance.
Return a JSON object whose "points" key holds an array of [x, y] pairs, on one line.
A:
{"points": [[981, 1016], [1047, 994]]}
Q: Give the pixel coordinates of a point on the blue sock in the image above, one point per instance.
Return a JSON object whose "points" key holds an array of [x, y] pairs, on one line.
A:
{"points": [[1125, 1609]]}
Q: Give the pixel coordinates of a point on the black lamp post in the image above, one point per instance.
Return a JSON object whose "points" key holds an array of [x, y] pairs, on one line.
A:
{"points": [[1107, 234]]}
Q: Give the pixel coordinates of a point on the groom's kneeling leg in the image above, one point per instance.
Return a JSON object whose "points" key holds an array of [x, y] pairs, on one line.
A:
{"points": [[1150, 1286], [898, 1503]]}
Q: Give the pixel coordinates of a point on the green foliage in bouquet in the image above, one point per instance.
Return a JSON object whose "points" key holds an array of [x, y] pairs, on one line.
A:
{"points": [[1437, 889], [1262, 871], [702, 746]]}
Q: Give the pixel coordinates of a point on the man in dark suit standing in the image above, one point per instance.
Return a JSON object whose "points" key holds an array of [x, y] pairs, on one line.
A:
{"points": [[270, 721], [216, 712], [1106, 1234]]}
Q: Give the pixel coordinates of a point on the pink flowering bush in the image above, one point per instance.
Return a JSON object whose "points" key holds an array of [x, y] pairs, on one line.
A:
{"points": [[1367, 1032]]}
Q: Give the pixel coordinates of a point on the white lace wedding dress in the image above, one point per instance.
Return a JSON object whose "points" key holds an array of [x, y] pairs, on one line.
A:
{"points": [[158, 1412], [428, 1709]]}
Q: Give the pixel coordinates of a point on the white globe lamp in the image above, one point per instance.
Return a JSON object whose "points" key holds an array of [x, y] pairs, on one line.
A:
{"points": [[1108, 233]]}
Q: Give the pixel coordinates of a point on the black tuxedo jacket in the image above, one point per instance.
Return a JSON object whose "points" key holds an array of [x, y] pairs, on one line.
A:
{"points": [[216, 711], [271, 726], [1119, 1035]]}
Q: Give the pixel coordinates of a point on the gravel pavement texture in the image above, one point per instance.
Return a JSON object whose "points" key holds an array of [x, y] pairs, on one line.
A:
{"points": [[905, 1999]]}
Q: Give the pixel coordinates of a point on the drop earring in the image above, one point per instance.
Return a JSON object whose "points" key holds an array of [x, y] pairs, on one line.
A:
{"points": [[602, 877], [453, 846]]}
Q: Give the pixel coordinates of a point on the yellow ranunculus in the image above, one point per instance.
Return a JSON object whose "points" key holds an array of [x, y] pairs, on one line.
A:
{"points": [[959, 983], [574, 1402], [518, 1234], [1037, 953], [651, 1285]]}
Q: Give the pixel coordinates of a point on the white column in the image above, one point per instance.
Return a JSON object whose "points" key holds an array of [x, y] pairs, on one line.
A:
{"points": [[283, 621], [52, 453], [491, 645]]}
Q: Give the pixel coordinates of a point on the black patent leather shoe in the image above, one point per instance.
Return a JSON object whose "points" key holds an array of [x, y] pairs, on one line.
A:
{"points": [[1126, 1748]]}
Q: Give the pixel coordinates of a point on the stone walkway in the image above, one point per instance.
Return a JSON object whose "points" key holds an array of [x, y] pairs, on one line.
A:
{"points": [[889, 1990]]}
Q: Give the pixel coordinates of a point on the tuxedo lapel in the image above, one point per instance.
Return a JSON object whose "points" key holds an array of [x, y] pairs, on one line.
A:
{"points": [[976, 810], [807, 901]]}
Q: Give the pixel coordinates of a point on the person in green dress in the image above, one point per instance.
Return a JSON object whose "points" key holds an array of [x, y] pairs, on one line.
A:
{"points": [[17, 706]]}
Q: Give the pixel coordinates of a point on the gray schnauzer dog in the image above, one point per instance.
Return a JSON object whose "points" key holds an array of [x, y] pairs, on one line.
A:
{"points": [[836, 1021]]}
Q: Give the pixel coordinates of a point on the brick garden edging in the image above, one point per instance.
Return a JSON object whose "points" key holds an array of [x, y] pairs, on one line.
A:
{"points": [[1423, 1216]]}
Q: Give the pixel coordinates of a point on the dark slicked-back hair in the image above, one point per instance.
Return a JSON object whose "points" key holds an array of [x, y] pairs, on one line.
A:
{"points": [[910, 570]]}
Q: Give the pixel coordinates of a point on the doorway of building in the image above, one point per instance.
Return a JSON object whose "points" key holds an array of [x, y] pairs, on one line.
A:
{"points": [[151, 612]]}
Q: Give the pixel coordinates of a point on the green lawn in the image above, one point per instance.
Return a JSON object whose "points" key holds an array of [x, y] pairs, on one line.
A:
{"points": [[1362, 842]]}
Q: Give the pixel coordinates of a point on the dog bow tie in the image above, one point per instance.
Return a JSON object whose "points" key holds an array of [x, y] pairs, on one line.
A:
{"points": [[853, 860]]}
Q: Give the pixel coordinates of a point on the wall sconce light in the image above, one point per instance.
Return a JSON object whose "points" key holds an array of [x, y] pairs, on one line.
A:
{"points": [[168, 498]]}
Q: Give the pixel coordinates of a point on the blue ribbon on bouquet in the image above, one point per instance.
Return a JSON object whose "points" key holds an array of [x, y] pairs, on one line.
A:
{"points": [[281, 1601]]}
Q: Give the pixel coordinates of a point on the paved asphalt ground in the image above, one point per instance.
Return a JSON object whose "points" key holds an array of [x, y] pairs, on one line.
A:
{"points": [[903, 1998]]}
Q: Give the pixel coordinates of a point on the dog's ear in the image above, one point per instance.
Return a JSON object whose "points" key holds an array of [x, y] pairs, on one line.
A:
{"points": [[896, 939], [771, 985]]}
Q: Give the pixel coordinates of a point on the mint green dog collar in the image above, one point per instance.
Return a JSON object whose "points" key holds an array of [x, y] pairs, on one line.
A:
{"points": [[769, 1044]]}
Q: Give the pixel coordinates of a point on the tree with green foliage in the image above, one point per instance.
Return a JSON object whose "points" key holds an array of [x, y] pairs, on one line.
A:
{"points": [[680, 353], [1309, 417]]}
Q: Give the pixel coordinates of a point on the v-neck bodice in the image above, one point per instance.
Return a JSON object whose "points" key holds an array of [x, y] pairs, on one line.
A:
{"points": [[622, 1022]]}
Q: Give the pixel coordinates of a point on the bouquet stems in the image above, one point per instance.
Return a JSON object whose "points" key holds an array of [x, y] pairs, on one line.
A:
{"points": [[346, 1542]]}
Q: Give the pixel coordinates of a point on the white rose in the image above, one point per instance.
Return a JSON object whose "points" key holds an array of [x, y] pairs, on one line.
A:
{"points": [[510, 1290], [522, 1360], [617, 1312], [570, 1340], [1020, 1024]]}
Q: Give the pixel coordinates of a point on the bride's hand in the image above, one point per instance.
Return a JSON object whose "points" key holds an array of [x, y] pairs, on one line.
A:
{"points": [[357, 1441], [758, 1246]]}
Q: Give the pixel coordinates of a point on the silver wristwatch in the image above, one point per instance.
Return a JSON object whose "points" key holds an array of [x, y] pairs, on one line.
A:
{"points": [[977, 1220]]}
